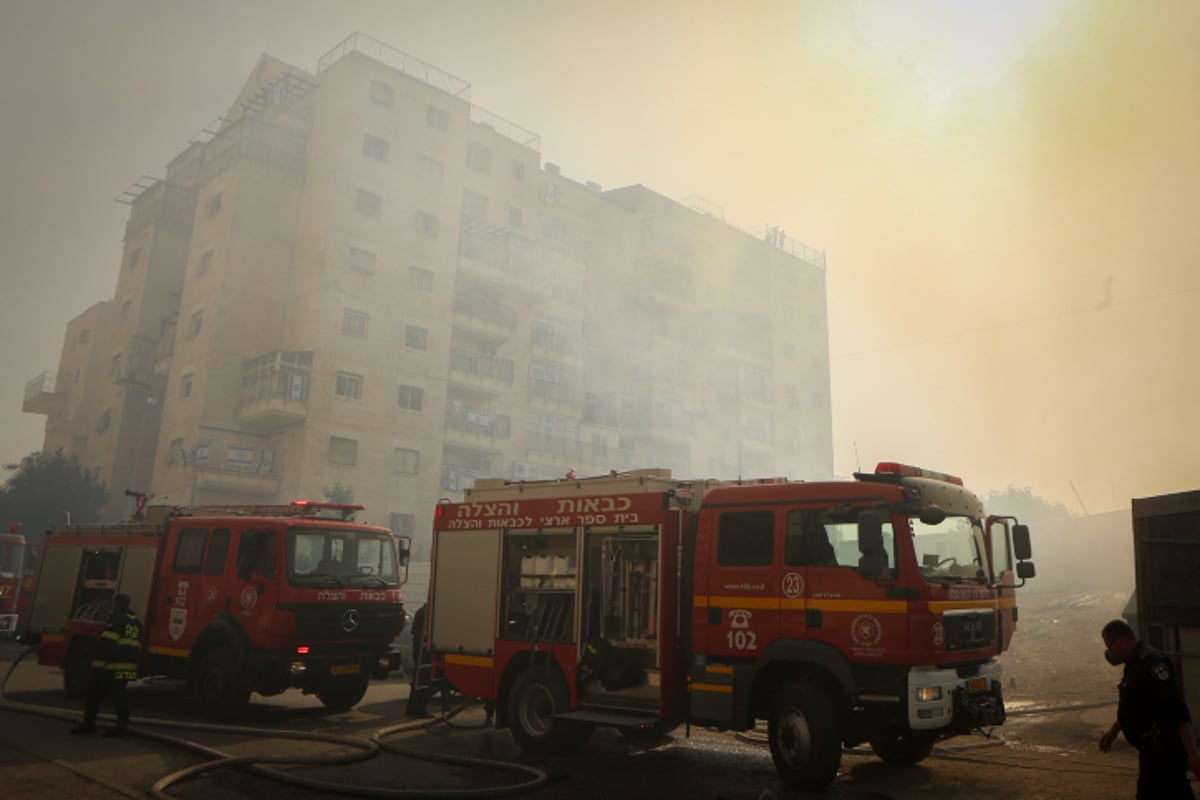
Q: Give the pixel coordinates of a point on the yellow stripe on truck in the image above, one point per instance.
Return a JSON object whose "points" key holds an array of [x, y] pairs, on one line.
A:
{"points": [[470, 661]]}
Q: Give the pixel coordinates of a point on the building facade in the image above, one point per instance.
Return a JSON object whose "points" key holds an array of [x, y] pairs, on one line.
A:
{"points": [[362, 280]]}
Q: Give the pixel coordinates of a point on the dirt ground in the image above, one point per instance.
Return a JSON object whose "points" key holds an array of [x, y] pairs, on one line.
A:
{"points": [[1057, 656]]}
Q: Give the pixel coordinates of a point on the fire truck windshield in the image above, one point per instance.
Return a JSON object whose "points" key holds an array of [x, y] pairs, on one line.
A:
{"points": [[329, 556], [10, 559], [950, 551]]}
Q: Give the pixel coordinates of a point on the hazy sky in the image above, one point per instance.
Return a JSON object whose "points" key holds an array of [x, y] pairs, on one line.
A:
{"points": [[1006, 191]]}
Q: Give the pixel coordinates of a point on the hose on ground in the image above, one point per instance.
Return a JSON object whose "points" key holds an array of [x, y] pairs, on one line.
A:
{"points": [[353, 749]]}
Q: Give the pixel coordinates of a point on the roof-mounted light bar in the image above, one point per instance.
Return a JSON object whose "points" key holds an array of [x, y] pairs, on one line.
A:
{"points": [[909, 471]]}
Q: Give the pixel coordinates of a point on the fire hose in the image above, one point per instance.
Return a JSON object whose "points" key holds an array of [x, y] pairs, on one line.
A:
{"points": [[352, 749]]}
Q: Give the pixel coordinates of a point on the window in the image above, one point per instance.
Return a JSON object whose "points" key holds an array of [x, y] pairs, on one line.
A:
{"points": [[475, 206], [125, 309], [437, 118], [195, 324], [174, 449], [368, 203], [427, 224], [416, 336], [354, 323], [213, 207], [420, 279], [204, 262], [807, 542], [382, 94], [83, 336], [374, 147], [411, 397], [343, 451], [362, 261], [401, 524], [406, 461], [185, 385], [746, 539], [104, 421], [114, 366], [256, 554], [430, 170], [479, 158], [189, 550], [514, 218], [518, 171], [348, 386], [133, 258], [218, 550]]}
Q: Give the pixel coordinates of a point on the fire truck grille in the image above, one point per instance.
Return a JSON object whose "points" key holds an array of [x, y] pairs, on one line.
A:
{"points": [[970, 630], [345, 620]]}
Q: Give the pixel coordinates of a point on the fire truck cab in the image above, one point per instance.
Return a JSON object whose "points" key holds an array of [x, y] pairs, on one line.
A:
{"points": [[233, 600], [18, 562], [839, 612]]}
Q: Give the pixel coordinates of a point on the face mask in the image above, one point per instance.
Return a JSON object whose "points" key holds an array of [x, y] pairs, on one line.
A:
{"points": [[1112, 658]]}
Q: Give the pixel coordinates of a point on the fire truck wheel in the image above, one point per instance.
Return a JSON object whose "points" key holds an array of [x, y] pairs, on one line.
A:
{"points": [[220, 687], [76, 667], [345, 695], [903, 750], [803, 731], [538, 694]]}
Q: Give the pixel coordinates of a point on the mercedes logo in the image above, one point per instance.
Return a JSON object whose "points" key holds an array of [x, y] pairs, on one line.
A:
{"points": [[350, 620]]}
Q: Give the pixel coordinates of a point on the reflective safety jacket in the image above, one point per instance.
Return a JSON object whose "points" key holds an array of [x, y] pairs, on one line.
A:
{"points": [[120, 643]]}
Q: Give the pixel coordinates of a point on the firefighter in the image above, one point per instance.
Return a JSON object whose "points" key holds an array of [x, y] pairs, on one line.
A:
{"points": [[1153, 716], [113, 667]]}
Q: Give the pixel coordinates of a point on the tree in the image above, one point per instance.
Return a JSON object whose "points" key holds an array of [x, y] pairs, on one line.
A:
{"points": [[338, 493], [45, 488], [1022, 503]]}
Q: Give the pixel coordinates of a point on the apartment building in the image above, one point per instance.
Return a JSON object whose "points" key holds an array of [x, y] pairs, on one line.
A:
{"points": [[362, 279]]}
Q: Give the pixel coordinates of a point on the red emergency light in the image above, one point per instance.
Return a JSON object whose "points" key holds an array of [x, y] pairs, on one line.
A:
{"points": [[909, 471]]}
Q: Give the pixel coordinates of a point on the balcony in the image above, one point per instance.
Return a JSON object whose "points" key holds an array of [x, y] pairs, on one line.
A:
{"points": [[484, 315], [475, 428], [226, 468], [42, 395], [480, 371], [492, 254], [274, 391]]}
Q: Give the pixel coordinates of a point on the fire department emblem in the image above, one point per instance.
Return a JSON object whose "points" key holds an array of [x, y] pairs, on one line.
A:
{"points": [[939, 634], [249, 598], [177, 623], [793, 584], [866, 630], [350, 620]]}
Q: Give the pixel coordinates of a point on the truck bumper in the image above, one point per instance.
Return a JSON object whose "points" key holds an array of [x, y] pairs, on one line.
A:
{"points": [[939, 699], [308, 672]]}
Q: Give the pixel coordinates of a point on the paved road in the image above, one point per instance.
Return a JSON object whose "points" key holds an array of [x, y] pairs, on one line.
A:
{"points": [[1043, 757]]}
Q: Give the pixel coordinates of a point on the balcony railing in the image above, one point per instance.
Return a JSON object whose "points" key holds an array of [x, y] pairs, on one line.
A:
{"points": [[274, 389], [482, 365], [485, 310], [41, 394], [478, 422]]}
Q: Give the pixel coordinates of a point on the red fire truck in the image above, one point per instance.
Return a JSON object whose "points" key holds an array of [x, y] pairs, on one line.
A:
{"points": [[839, 612], [233, 600], [18, 562]]}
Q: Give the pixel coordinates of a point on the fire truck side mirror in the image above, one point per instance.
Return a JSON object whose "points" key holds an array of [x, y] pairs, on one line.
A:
{"points": [[1025, 570], [1022, 547], [403, 549]]}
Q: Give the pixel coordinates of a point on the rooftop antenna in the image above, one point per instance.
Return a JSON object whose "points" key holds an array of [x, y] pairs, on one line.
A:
{"points": [[857, 464]]}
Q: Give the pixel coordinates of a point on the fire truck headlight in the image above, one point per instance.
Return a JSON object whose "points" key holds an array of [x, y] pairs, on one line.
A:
{"points": [[297, 668], [929, 694]]}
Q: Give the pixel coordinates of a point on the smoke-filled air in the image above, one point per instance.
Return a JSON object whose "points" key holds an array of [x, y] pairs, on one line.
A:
{"points": [[1005, 193]]}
